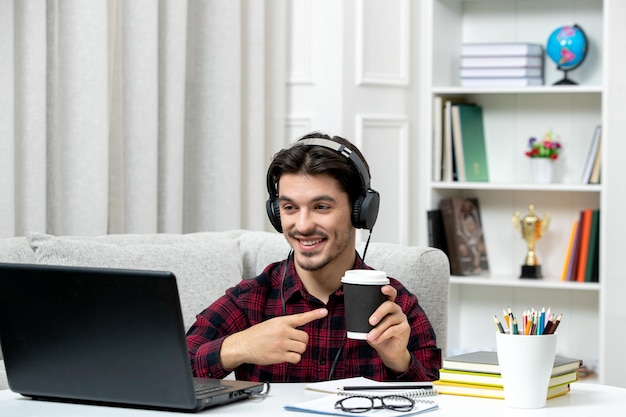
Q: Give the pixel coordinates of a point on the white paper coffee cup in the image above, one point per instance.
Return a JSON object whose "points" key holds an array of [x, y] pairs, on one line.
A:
{"points": [[362, 296]]}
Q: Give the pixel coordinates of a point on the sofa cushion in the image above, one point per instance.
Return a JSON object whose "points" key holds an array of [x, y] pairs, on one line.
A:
{"points": [[205, 264], [259, 249], [15, 250]]}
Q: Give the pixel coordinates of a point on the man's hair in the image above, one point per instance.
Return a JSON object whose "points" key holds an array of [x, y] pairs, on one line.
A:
{"points": [[318, 160]]}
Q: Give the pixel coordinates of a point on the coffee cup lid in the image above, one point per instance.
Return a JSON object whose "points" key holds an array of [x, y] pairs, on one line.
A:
{"points": [[365, 277]]}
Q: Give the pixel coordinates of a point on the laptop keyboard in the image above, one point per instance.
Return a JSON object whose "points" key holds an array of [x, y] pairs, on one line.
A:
{"points": [[206, 389]]}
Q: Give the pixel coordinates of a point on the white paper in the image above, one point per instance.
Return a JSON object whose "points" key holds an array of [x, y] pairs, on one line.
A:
{"points": [[326, 406]]}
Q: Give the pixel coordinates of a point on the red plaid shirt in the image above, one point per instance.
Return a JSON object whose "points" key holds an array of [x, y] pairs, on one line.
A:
{"points": [[256, 300]]}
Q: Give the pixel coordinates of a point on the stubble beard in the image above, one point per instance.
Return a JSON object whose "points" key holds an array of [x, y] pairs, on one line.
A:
{"points": [[342, 239]]}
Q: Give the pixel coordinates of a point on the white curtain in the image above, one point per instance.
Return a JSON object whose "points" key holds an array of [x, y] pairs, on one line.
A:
{"points": [[138, 116]]}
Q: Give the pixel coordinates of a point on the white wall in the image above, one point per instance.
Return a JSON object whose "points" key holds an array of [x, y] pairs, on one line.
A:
{"points": [[350, 74]]}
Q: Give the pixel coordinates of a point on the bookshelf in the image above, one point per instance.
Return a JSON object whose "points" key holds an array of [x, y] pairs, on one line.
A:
{"points": [[511, 116]]}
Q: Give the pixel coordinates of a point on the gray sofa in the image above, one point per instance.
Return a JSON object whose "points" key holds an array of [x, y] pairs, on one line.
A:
{"points": [[208, 263]]}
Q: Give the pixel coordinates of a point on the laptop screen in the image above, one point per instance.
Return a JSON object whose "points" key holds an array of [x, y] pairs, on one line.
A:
{"points": [[105, 335]]}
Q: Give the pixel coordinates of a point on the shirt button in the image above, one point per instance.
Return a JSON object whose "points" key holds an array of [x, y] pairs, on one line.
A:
{"points": [[322, 361]]}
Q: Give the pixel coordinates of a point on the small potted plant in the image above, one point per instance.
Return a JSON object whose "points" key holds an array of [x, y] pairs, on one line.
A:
{"points": [[542, 154]]}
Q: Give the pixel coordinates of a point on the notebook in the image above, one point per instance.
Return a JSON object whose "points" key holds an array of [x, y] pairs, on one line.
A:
{"points": [[367, 386], [364, 387], [102, 336]]}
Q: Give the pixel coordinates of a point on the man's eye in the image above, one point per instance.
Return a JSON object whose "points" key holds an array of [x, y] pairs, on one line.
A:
{"points": [[288, 207], [322, 207]]}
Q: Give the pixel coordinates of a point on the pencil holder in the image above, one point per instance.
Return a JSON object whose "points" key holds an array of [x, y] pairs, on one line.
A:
{"points": [[526, 363]]}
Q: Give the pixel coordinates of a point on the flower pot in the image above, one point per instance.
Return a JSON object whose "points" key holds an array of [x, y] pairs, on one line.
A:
{"points": [[541, 170]]}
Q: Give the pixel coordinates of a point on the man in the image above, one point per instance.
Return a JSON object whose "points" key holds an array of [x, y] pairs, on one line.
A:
{"points": [[287, 324]]}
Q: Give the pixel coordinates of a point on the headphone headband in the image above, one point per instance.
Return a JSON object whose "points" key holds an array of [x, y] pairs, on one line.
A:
{"points": [[342, 150]]}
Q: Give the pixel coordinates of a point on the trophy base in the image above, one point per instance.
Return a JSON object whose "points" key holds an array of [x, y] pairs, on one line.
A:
{"points": [[531, 271]]}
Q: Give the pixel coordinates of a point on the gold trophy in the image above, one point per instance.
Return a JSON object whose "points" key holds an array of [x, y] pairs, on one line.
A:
{"points": [[532, 229]]}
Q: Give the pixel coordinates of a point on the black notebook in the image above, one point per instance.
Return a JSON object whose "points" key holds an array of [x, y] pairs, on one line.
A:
{"points": [[103, 336]]}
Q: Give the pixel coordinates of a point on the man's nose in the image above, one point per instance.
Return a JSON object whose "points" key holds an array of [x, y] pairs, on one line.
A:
{"points": [[305, 221]]}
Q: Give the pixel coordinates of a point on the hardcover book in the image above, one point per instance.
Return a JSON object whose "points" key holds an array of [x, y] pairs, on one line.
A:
{"points": [[470, 390], [521, 61], [438, 106], [585, 225], [436, 232], [501, 72], [469, 142], [591, 155], [502, 82], [597, 166], [457, 144], [591, 268], [502, 49], [447, 149], [495, 380], [467, 251], [570, 252], [487, 362]]}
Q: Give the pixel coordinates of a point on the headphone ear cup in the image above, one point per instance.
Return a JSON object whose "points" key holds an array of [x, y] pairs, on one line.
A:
{"points": [[357, 208], [365, 210], [273, 213]]}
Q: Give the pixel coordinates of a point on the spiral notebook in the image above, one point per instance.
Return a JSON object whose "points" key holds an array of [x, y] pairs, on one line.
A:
{"points": [[341, 388], [368, 386]]}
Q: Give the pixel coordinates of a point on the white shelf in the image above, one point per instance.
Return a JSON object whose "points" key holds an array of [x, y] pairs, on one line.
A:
{"points": [[494, 186], [511, 116], [547, 89], [514, 282]]}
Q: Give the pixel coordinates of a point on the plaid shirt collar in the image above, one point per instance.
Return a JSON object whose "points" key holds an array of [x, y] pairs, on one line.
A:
{"points": [[293, 285]]}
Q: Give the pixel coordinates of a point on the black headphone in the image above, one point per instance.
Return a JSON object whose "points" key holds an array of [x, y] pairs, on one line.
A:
{"points": [[365, 208]]}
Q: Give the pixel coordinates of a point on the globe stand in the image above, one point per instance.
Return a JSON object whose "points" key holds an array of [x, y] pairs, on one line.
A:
{"points": [[565, 80]]}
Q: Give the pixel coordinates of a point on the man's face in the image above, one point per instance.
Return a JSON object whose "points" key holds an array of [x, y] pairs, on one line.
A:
{"points": [[315, 214]]}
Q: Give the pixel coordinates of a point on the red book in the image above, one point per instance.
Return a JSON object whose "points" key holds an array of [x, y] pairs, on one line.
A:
{"points": [[592, 253], [585, 231]]}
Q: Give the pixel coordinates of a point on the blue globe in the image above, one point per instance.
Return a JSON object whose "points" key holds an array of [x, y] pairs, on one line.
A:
{"points": [[567, 47]]}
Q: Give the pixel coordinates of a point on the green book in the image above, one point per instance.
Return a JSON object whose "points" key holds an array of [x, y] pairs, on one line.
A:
{"points": [[472, 140]]}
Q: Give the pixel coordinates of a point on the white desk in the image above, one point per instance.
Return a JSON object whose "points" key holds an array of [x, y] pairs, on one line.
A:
{"points": [[583, 400]]}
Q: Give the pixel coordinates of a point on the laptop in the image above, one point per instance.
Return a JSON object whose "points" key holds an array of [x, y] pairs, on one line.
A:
{"points": [[102, 336]]}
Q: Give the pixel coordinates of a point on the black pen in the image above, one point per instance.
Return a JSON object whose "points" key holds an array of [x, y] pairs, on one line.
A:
{"points": [[385, 387]]}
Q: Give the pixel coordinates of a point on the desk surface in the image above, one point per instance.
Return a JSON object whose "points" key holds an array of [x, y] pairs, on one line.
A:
{"points": [[583, 400]]}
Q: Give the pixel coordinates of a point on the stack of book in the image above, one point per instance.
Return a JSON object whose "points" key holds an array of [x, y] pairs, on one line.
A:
{"points": [[477, 374], [503, 64]]}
